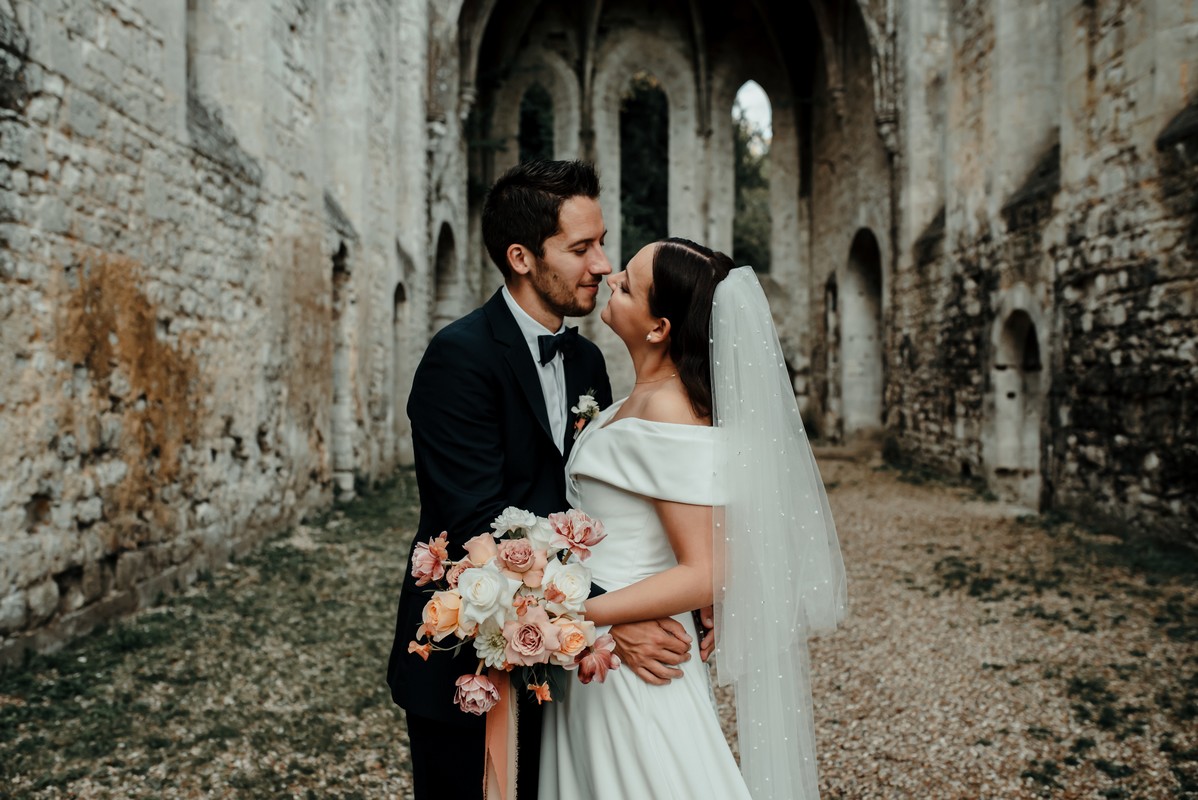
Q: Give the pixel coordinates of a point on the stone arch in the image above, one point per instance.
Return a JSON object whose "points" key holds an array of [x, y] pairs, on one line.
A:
{"points": [[445, 298], [635, 52], [550, 71], [786, 261], [861, 336], [1015, 400], [342, 418]]}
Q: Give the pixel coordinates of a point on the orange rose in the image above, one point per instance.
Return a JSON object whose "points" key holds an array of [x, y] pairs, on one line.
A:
{"points": [[574, 636], [441, 616]]}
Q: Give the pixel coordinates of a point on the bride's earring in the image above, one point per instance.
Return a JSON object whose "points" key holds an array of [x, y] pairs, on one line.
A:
{"points": [[648, 337]]}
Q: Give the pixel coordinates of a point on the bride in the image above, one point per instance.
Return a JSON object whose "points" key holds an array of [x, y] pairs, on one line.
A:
{"points": [[708, 490]]}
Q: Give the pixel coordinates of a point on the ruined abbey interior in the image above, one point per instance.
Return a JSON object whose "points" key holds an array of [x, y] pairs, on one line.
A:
{"points": [[228, 229]]}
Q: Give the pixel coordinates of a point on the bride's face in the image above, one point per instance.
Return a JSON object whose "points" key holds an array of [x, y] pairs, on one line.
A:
{"points": [[627, 312]]}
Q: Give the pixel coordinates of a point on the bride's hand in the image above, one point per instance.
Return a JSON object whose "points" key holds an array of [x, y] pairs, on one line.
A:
{"points": [[653, 649], [707, 643]]}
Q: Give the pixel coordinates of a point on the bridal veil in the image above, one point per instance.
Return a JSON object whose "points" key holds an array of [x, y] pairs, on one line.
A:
{"points": [[779, 576]]}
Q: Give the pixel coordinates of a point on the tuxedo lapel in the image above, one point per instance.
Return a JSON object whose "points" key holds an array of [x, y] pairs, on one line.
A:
{"points": [[506, 331], [576, 377]]}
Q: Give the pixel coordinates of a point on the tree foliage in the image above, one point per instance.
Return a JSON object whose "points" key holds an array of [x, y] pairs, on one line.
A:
{"points": [[536, 124], [751, 223], [644, 165]]}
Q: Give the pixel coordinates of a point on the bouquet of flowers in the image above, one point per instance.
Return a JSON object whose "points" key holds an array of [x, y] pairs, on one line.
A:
{"points": [[517, 598]]}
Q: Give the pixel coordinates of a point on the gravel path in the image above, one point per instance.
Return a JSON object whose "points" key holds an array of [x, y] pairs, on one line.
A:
{"points": [[986, 655]]}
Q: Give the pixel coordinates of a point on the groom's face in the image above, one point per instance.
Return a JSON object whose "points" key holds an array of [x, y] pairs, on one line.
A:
{"points": [[567, 278]]}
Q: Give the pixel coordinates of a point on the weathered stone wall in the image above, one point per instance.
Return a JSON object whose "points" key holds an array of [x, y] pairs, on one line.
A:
{"points": [[212, 277], [1045, 332]]}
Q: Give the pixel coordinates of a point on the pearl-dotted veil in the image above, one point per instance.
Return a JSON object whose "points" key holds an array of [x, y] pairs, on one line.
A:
{"points": [[779, 575]]}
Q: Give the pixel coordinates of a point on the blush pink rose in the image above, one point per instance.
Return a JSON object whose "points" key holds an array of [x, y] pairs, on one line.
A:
{"points": [[475, 694], [428, 561], [521, 561], [531, 639], [481, 549], [594, 664], [577, 532], [455, 572]]}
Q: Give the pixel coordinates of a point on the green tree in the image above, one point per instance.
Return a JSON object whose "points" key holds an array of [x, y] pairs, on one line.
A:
{"points": [[751, 223], [644, 165], [536, 124]]}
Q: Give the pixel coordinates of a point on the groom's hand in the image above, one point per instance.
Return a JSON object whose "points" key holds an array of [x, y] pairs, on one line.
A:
{"points": [[653, 649]]}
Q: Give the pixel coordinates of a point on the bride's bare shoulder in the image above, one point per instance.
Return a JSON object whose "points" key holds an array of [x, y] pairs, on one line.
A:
{"points": [[673, 406]]}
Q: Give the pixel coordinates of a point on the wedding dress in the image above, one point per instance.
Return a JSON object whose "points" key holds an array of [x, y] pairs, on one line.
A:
{"points": [[625, 738]]}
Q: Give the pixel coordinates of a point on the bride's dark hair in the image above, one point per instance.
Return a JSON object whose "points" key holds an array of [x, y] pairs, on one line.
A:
{"points": [[685, 275]]}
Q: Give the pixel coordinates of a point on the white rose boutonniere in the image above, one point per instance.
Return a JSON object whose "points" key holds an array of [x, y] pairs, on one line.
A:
{"points": [[586, 410]]}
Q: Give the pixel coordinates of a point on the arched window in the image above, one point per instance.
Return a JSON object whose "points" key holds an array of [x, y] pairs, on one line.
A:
{"points": [[752, 132], [861, 335], [536, 124], [644, 165]]}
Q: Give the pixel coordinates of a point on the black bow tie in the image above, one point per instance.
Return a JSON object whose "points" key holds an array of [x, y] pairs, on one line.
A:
{"points": [[552, 344]]}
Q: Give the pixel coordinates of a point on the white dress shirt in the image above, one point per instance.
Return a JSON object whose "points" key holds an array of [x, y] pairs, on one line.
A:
{"points": [[552, 375]]}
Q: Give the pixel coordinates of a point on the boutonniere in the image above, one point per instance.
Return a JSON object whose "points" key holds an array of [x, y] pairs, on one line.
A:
{"points": [[586, 410]]}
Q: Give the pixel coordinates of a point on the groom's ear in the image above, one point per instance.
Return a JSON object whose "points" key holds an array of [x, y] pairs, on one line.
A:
{"points": [[520, 259]]}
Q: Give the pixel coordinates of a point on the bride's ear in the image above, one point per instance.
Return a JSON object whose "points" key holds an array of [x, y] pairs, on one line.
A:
{"points": [[660, 331]]}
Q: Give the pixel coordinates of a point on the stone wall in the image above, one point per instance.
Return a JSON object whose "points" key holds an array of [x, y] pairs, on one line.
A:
{"points": [[213, 280], [1046, 324]]}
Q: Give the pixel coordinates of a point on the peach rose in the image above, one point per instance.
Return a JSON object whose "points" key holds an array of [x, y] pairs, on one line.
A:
{"points": [[475, 694], [574, 637], [481, 549], [441, 616]]}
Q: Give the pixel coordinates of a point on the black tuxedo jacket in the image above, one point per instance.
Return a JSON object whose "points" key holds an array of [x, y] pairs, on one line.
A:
{"points": [[481, 441]]}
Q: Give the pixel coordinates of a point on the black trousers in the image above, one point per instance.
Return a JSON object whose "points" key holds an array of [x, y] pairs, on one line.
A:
{"points": [[448, 757]]}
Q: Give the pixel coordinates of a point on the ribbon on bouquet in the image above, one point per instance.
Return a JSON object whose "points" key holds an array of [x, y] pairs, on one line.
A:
{"points": [[499, 776]]}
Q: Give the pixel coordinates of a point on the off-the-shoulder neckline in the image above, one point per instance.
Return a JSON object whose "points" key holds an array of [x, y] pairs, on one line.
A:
{"points": [[614, 406]]}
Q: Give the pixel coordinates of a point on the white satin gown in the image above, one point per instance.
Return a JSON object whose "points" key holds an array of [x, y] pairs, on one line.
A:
{"points": [[625, 739]]}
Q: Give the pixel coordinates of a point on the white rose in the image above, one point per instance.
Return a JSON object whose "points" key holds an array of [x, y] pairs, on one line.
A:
{"points": [[486, 594], [513, 519], [572, 580], [540, 534], [587, 406]]}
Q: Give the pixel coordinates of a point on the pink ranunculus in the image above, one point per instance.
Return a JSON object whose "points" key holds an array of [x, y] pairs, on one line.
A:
{"points": [[531, 639], [576, 531], [596, 661], [475, 694], [428, 561], [481, 549], [520, 560]]}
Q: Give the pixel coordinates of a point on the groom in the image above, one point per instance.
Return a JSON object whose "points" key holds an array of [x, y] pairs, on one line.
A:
{"points": [[491, 428]]}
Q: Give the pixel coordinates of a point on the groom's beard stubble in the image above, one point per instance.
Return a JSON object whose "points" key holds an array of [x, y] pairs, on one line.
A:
{"points": [[560, 296]]}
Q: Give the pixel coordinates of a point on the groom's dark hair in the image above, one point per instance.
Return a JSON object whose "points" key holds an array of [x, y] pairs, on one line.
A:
{"points": [[685, 275], [522, 207]]}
